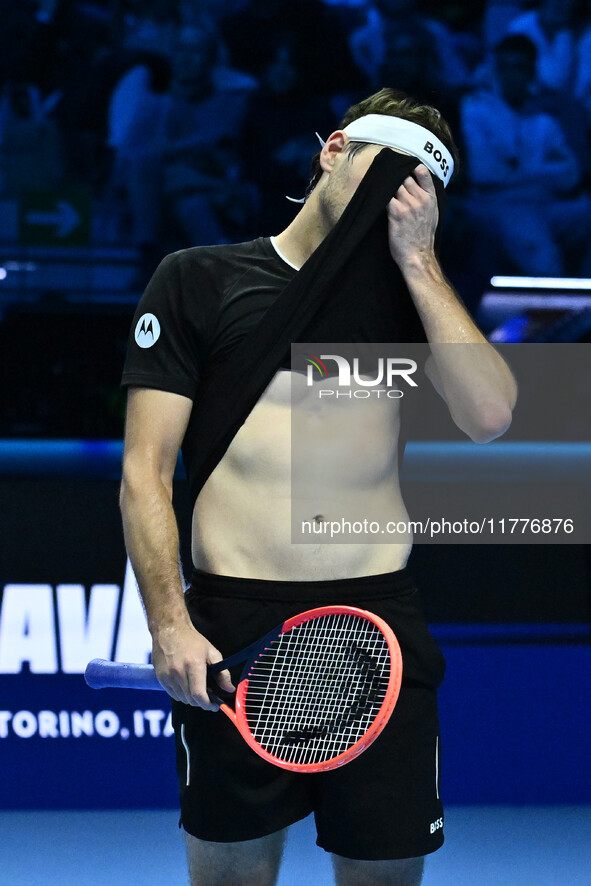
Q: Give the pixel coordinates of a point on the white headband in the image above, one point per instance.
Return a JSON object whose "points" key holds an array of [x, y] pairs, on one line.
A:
{"points": [[393, 132]]}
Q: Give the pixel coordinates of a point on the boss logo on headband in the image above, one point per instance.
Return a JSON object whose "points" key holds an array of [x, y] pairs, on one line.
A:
{"points": [[438, 156]]}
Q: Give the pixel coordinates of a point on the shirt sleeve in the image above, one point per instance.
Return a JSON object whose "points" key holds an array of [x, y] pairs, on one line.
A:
{"points": [[166, 342]]}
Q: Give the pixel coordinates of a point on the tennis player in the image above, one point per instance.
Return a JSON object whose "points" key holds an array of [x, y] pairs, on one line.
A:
{"points": [[380, 814]]}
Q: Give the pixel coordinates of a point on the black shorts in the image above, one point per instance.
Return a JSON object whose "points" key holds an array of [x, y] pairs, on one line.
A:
{"points": [[384, 804]]}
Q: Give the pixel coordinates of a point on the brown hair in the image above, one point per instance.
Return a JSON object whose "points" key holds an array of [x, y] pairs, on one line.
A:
{"points": [[394, 103]]}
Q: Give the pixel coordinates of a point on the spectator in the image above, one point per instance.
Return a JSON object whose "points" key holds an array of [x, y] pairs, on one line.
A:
{"points": [[456, 29], [409, 59], [498, 16], [30, 156], [151, 26], [277, 157], [410, 63], [522, 175], [165, 144], [551, 28], [84, 45], [206, 107], [137, 100], [23, 43], [369, 43], [135, 122], [318, 44]]}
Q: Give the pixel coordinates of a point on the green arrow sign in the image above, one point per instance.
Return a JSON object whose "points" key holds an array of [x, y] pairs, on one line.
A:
{"points": [[48, 218]]}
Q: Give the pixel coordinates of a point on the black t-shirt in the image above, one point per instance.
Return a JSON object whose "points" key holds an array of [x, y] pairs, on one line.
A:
{"points": [[197, 307], [202, 302], [215, 323]]}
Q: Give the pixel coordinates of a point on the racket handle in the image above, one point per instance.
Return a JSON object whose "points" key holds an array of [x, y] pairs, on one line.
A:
{"points": [[101, 674]]}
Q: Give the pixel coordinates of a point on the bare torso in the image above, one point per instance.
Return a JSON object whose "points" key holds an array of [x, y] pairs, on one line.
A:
{"points": [[299, 458]]}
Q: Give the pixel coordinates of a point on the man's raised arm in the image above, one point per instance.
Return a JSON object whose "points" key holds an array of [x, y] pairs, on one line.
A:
{"points": [[465, 369]]}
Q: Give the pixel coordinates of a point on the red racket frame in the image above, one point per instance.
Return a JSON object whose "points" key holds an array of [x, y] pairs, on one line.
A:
{"points": [[238, 716]]}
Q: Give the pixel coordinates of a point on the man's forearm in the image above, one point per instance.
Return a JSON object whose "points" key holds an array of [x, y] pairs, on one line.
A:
{"points": [[152, 542], [473, 378], [180, 654]]}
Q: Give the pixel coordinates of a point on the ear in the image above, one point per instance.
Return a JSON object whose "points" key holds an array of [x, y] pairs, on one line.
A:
{"points": [[334, 145]]}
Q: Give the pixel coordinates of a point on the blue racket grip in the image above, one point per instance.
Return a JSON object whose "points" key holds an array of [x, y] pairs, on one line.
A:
{"points": [[102, 674]]}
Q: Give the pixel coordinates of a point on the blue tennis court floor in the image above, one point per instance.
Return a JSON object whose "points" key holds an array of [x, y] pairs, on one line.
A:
{"points": [[485, 846]]}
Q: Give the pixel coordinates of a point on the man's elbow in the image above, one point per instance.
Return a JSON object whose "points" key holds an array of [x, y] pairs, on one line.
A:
{"points": [[125, 491], [140, 480], [492, 423]]}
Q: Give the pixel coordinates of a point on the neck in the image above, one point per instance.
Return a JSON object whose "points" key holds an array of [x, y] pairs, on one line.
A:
{"points": [[305, 233]]}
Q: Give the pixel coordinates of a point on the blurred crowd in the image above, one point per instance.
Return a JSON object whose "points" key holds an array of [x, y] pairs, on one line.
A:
{"points": [[193, 119]]}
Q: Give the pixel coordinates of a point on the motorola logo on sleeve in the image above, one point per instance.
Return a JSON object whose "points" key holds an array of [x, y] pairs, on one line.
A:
{"points": [[147, 331]]}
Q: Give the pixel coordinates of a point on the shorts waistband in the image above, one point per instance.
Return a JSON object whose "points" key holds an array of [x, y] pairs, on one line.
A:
{"points": [[339, 590]]}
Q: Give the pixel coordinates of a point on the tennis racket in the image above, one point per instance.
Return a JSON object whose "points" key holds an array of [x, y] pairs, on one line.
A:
{"points": [[314, 693]]}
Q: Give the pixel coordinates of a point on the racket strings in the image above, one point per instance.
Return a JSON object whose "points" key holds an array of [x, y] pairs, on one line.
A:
{"points": [[358, 699], [317, 689], [320, 722], [323, 684]]}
